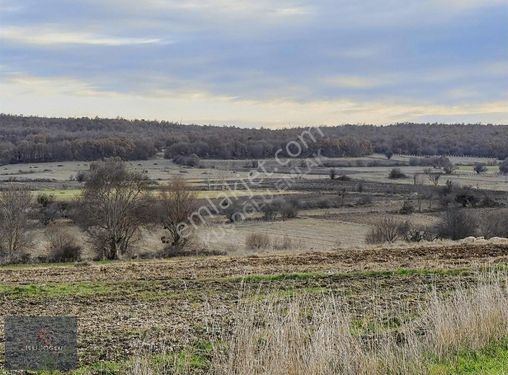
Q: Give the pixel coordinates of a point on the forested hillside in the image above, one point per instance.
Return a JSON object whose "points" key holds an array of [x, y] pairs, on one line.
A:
{"points": [[38, 139]]}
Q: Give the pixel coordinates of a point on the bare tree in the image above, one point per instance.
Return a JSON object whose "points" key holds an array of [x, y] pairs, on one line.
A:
{"points": [[178, 204], [110, 206], [433, 176], [15, 205]]}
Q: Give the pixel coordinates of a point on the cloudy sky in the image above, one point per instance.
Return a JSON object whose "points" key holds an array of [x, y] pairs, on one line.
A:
{"points": [[257, 63]]}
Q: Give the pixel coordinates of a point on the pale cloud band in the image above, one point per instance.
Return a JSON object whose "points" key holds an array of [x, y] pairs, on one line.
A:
{"points": [[68, 97]]}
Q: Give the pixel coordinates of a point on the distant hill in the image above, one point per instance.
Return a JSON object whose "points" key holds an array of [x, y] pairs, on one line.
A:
{"points": [[39, 139]]}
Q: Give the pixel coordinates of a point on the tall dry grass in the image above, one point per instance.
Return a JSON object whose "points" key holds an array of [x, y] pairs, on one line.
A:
{"points": [[303, 336], [299, 338]]}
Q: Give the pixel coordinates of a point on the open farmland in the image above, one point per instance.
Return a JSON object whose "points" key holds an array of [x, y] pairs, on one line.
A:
{"points": [[170, 306], [383, 248]]}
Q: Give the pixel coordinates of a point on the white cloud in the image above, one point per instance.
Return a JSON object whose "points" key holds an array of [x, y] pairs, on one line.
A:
{"points": [[69, 97], [356, 82], [49, 36]]}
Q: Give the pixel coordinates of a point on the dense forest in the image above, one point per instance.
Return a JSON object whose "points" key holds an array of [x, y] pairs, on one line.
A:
{"points": [[38, 139]]}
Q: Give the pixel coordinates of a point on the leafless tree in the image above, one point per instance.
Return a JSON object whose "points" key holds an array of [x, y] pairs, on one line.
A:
{"points": [[110, 207], [178, 203], [15, 205], [433, 176]]}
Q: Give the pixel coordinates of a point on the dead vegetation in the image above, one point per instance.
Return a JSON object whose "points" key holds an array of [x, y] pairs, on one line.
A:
{"points": [[308, 338]]}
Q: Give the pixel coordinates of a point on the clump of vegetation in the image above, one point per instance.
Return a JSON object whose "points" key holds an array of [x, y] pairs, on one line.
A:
{"points": [[457, 224], [309, 337], [407, 208], [364, 200], [189, 161], [344, 177], [257, 241], [63, 245], [385, 230], [45, 199], [396, 173], [287, 209], [332, 173], [480, 168], [494, 224]]}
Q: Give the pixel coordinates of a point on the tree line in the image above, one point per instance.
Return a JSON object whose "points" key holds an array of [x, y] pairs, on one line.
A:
{"points": [[26, 139]]}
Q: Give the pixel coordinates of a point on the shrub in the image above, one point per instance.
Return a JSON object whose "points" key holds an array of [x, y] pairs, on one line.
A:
{"points": [[344, 177], [233, 212], [396, 173], [494, 224], [332, 173], [457, 224], [82, 176], [407, 208], [256, 241], [466, 199], [45, 199], [63, 245], [488, 202], [269, 211], [480, 168], [386, 230], [324, 203], [364, 200], [288, 211]]}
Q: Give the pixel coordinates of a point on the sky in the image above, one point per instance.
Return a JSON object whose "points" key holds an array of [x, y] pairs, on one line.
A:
{"points": [[257, 63]]}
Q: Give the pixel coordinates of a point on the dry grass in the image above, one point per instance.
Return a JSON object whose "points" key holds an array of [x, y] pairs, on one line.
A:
{"points": [[305, 337], [296, 339], [257, 241]]}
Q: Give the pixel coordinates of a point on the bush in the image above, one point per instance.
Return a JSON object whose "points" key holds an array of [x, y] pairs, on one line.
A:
{"points": [[466, 199], [495, 224], [82, 176], [233, 212], [364, 200], [324, 203], [332, 173], [45, 199], [256, 241], [396, 173], [386, 230], [269, 211], [407, 208], [63, 246], [288, 211], [457, 224]]}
